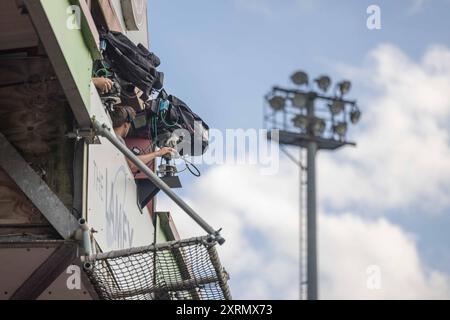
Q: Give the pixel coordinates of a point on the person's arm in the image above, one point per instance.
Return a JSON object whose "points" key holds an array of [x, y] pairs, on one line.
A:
{"points": [[104, 85], [149, 157]]}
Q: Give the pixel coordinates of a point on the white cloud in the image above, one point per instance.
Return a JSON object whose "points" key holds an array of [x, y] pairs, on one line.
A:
{"points": [[259, 219], [350, 245], [403, 145], [260, 226], [401, 160]]}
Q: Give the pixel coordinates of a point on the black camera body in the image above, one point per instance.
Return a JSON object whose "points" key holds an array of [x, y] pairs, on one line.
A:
{"points": [[167, 121]]}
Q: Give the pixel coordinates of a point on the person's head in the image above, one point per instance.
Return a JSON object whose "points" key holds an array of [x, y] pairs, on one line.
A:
{"points": [[122, 116]]}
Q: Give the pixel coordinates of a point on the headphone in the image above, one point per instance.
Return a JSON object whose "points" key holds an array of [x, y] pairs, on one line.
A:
{"points": [[130, 118]]}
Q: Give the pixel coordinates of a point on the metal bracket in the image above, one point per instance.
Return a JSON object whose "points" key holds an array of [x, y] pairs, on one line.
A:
{"points": [[88, 134]]}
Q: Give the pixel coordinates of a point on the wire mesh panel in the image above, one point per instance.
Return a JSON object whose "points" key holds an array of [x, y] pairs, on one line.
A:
{"points": [[177, 270]]}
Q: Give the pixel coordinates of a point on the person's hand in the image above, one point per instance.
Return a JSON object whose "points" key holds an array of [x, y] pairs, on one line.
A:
{"points": [[103, 84], [165, 150]]}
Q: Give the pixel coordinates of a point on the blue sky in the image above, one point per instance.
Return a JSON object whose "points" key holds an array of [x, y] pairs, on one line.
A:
{"points": [[222, 56]]}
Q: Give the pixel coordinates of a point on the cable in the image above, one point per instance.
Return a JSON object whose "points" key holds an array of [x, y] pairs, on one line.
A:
{"points": [[107, 73], [163, 118], [190, 165], [182, 170]]}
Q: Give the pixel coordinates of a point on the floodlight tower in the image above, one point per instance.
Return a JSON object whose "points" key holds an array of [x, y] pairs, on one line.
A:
{"points": [[318, 121]]}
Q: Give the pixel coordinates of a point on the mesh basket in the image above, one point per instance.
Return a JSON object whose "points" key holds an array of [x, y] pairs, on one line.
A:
{"points": [[176, 270]]}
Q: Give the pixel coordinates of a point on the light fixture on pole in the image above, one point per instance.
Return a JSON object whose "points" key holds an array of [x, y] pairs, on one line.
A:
{"points": [[314, 113], [336, 107], [318, 127], [344, 87], [301, 121], [299, 100], [355, 115], [277, 103], [340, 128], [300, 78], [323, 82]]}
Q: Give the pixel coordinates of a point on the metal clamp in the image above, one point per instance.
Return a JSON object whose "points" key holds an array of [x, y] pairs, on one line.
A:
{"points": [[88, 134]]}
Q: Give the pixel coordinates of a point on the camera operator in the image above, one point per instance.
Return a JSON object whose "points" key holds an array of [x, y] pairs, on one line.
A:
{"points": [[122, 117]]}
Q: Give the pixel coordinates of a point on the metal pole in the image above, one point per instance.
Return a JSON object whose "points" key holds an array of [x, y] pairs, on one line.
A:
{"points": [[311, 211], [311, 222], [103, 130], [86, 236], [300, 222]]}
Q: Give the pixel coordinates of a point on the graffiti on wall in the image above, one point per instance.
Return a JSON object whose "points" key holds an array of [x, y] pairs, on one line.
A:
{"points": [[110, 187]]}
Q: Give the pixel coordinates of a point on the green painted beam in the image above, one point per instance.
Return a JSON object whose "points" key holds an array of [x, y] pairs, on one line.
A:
{"points": [[66, 48], [71, 42], [91, 37]]}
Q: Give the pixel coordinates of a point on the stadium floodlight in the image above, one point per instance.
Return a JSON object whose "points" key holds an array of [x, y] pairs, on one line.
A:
{"points": [[344, 87], [355, 115], [314, 115], [277, 103], [336, 107], [300, 78], [299, 100], [318, 126], [301, 121], [323, 82], [340, 128]]}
